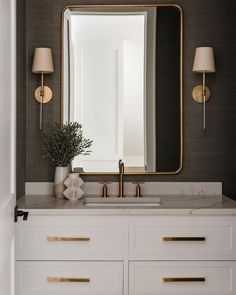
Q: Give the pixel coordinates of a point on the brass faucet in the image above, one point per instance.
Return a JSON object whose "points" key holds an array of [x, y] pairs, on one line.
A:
{"points": [[121, 179]]}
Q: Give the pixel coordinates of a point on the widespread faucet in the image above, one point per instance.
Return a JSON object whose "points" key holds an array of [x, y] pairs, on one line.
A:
{"points": [[121, 179]]}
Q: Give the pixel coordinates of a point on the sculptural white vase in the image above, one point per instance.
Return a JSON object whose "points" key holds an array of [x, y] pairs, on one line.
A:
{"points": [[61, 173], [73, 184]]}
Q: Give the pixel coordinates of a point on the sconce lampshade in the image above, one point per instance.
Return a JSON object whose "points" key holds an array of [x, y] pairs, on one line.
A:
{"points": [[204, 61], [43, 62]]}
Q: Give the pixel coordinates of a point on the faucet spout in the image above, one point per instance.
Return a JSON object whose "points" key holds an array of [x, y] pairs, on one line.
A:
{"points": [[121, 179]]}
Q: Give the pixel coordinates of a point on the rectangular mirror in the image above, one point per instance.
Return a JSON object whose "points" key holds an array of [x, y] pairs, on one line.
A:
{"points": [[122, 80]]}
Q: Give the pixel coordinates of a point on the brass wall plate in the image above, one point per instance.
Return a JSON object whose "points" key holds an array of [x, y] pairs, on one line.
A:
{"points": [[47, 94], [197, 94]]}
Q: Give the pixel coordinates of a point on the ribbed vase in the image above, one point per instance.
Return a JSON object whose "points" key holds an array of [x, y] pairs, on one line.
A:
{"points": [[61, 173]]}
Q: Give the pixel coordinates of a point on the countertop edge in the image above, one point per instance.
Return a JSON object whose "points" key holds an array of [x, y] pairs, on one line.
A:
{"points": [[170, 205], [138, 212]]}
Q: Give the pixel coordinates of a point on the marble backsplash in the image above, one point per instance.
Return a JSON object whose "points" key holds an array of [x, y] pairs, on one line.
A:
{"points": [[148, 188]]}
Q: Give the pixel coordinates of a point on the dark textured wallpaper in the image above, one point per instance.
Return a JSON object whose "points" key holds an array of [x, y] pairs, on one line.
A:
{"points": [[21, 98], [209, 156], [168, 134]]}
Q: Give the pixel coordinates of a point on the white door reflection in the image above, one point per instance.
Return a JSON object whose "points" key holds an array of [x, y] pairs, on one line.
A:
{"points": [[107, 63]]}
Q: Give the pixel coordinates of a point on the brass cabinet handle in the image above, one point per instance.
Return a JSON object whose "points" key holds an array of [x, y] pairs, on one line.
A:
{"points": [[68, 239], [67, 280], [184, 239], [183, 280]]}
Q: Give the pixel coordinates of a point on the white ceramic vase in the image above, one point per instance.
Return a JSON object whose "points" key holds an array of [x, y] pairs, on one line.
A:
{"points": [[61, 173], [73, 184]]}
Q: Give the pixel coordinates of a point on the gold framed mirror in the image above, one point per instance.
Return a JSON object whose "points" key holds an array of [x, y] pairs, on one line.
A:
{"points": [[122, 79]]}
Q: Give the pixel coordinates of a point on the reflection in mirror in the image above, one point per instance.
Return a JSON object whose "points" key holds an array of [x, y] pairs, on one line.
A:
{"points": [[110, 86]]}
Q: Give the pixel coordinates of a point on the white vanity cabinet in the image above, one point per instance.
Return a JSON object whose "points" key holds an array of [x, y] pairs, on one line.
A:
{"points": [[182, 255], [69, 278], [182, 238], [182, 278], [126, 255], [70, 255], [71, 238]]}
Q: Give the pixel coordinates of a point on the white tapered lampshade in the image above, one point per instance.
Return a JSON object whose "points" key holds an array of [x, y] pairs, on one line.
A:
{"points": [[204, 61], [43, 62]]}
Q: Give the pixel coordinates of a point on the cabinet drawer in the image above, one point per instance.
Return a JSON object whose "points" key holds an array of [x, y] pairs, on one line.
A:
{"points": [[70, 278], [181, 238], [70, 238], [182, 278]]}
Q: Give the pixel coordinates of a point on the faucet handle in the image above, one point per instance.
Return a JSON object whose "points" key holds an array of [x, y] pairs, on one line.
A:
{"points": [[138, 188], [104, 189]]}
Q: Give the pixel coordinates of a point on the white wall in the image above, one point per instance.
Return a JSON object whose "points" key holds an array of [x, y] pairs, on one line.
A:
{"points": [[7, 144], [7, 103], [109, 88], [97, 106], [133, 100]]}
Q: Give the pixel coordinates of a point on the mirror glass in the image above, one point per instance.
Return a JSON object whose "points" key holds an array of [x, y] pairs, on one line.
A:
{"points": [[122, 80]]}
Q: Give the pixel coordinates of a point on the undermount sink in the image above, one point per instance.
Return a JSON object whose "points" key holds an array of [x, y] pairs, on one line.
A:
{"points": [[122, 202]]}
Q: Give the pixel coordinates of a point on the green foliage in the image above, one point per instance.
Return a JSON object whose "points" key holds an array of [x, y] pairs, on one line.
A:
{"points": [[63, 142]]}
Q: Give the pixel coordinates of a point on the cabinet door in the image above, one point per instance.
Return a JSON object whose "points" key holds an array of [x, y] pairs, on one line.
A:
{"points": [[7, 143], [70, 238], [183, 238], [182, 278], [69, 278]]}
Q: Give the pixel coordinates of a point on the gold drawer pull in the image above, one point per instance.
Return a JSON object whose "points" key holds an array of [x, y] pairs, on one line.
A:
{"points": [[68, 239], [183, 280], [67, 280], [184, 239]]}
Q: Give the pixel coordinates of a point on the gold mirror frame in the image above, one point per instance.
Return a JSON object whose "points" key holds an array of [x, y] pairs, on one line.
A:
{"points": [[181, 79]]}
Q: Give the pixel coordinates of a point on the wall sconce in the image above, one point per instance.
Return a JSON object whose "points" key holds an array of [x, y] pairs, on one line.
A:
{"points": [[203, 63], [42, 64]]}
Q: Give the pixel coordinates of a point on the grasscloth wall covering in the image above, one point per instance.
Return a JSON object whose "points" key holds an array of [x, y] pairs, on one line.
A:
{"points": [[209, 156], [21, 97]]}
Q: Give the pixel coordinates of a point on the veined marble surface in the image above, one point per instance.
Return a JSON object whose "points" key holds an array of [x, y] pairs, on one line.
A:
{"points": [[170, 205]]}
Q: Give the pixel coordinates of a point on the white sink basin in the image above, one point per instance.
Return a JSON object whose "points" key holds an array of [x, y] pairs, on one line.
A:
{"points": [[122, 202]]}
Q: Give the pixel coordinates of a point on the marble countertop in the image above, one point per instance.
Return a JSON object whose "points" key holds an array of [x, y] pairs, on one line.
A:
{"points": [[170, 205]]}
